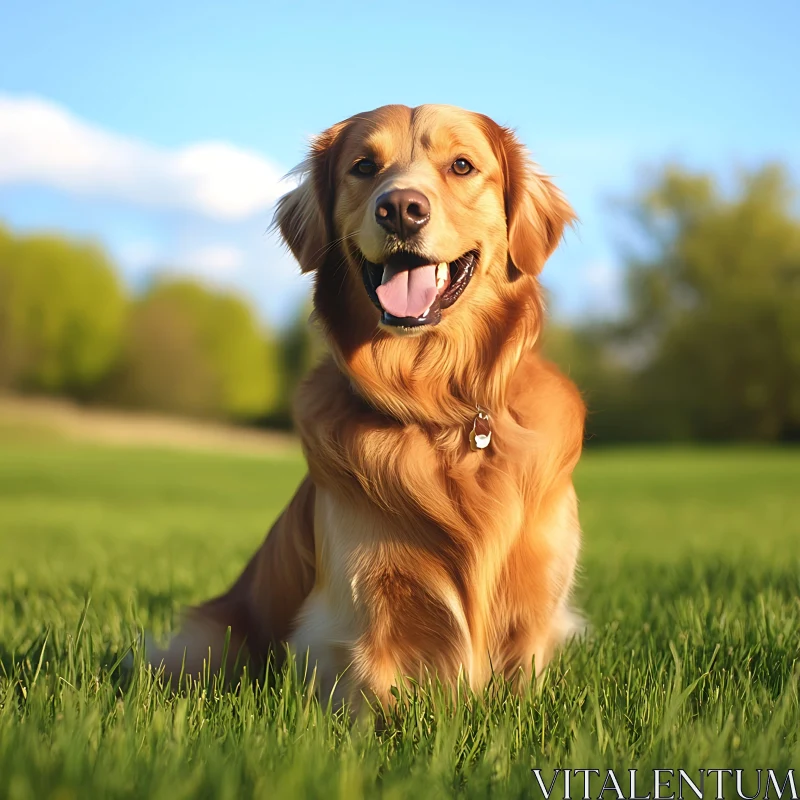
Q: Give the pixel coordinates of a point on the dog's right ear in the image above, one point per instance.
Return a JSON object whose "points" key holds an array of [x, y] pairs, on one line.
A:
{"points": [[304, 216]]}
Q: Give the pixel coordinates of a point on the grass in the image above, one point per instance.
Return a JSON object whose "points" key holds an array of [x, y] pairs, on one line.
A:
{"points": [[691, 579]]}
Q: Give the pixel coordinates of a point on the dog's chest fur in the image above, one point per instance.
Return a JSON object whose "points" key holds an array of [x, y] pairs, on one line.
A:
{"points": [[427, 555]]}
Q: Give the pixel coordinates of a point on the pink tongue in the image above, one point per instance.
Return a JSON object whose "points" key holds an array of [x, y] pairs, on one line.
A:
{"points": [[407, 292]]}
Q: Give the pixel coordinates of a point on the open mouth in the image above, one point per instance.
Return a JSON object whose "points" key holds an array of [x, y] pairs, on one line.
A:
{"points": [[410, 290]]}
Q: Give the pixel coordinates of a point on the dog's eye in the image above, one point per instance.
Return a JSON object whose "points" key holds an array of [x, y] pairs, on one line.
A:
{"points": [[364, 168], [462, 167]]}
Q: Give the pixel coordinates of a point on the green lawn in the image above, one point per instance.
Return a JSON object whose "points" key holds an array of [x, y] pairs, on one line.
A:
{"points": [[691, 579]]}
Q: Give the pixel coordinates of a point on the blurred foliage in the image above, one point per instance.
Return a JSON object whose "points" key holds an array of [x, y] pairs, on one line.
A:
{"points": [[62, 312], [606, 382], [721, 301], [301, 346], [707, 348], [192, 350], [67, 327]]}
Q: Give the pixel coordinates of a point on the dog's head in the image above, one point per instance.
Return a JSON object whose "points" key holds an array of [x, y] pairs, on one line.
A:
{"points": [[428, 221]]}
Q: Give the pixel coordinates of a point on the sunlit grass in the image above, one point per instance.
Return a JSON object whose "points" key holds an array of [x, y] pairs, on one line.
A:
{"points": [[691, 580]]}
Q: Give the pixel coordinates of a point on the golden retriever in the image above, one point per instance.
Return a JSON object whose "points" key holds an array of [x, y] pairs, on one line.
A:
{"points": [[437, 530]]}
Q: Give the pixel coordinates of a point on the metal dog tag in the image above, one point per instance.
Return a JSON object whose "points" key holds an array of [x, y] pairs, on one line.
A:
{"points": [[481, 434]]}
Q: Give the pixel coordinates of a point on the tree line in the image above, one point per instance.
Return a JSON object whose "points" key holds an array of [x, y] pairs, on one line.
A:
{"points": [[69, 327], [707, 346]]}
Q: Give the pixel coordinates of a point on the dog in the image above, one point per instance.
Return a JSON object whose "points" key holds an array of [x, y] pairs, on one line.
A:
{"points": [[437, 531]]}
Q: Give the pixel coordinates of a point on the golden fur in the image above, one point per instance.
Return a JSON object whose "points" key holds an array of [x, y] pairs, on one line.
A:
{"points": [[403, 550]]}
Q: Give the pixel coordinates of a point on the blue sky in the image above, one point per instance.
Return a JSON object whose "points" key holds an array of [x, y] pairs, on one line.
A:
{"points": [[160, 128]]}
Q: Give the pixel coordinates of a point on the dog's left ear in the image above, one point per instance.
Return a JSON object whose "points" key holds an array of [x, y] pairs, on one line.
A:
{"points": [[304, 216], [536, 211]]}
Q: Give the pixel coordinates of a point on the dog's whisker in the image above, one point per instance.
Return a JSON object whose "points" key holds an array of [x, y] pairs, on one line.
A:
{"points": [[325, 249]]}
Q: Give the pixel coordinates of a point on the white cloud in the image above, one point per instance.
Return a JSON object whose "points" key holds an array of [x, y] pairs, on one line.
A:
{"points": [[215, 260], [211, 261], [253, 264], [602, 286], [137, 255], [42, 143], [601, 276]]}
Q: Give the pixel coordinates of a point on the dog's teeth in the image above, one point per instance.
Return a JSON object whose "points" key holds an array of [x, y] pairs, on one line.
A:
{"points": [[442, 274]]}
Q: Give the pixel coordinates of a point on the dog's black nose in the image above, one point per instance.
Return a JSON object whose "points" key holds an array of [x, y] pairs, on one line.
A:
{"points": [[402, 212]]}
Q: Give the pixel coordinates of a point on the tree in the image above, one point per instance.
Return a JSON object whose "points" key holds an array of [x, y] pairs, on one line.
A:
{"points": [[301, 346], [713, 305], [189, 349], [162, 365], [583, 353], [62, 312]]}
